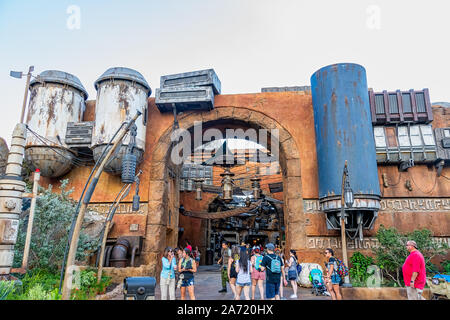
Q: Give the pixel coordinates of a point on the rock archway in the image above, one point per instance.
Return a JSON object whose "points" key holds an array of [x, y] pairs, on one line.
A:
{"points": [[159, 187]]}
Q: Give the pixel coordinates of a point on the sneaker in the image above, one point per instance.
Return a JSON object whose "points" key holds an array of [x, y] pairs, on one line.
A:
{"points": [[223, 290], [283, 298], [293, 296]]}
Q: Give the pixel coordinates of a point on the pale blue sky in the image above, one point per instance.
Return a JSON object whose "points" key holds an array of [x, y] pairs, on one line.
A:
{"points": [[250, 43]]}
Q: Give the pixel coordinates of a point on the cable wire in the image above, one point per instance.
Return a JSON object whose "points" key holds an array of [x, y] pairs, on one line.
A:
{"points": [[75, 215]]}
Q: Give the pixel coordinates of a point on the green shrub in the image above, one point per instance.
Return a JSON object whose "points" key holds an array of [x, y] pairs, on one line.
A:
{"points": [[358, 271], [6, 287], [52, 220], [89, 287], [446, 266], [392, 253], [40, 284]]}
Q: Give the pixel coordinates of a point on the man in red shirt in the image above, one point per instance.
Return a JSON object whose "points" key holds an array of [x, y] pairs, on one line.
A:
{"points": [[414, 273]]}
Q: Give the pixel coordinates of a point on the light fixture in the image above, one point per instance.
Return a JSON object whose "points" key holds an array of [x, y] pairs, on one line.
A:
{"points": [[198, 188], [227, 185], [256, 187], [348, 194]]}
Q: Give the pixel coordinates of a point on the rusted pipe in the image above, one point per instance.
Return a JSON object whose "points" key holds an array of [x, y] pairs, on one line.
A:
{"points": [[108, 255], [119, 253], [133, 254]]}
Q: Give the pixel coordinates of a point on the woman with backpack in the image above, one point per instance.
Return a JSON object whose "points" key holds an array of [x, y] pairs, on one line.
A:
{"points": [[332, 279], [243, 269], [187, 268], [258, 276], [292, 264]]}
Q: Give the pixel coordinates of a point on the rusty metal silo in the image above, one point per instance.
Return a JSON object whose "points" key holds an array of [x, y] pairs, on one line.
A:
{"points": [[120, 93], [56, 98]]}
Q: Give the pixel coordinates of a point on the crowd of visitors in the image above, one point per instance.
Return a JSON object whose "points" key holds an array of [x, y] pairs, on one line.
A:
{"points": [[244, 268]]}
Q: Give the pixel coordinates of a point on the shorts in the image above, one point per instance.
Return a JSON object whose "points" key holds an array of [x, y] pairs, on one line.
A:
{"points": [[233, 273], [335, 279], [197, 259], [292, 275], [187, 283], [258, 275], [246, 284], [272, 289]]}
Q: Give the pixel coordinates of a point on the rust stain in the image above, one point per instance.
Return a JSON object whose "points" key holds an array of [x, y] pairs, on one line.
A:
{"points": [[102, 129], [51, 108], [123, 101], [346, 102], [70, 104], [32, 105]]}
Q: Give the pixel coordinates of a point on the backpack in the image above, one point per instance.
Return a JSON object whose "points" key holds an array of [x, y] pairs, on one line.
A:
{"points": [[258, 260], [299, 268], [275, 265], [342, 269]]}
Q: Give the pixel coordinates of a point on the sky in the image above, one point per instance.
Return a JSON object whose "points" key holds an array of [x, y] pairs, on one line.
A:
{"points": [[250, 44]]}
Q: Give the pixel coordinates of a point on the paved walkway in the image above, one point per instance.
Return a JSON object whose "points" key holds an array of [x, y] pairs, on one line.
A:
{"points": [[208, 283]]}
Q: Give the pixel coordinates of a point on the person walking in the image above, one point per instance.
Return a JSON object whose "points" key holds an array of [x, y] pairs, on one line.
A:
{"points": [[258, 276], [332, 279], [414, 272], [197, 256], [223, 261], [232, 273], [244, 270], [292, 264], [167, 276], [188, 245], [281, 256], [273, 265], [187, 267]]}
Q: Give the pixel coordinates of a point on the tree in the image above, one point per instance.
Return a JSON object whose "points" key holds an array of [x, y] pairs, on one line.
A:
{"points": [[52, 219], [392, 253]]}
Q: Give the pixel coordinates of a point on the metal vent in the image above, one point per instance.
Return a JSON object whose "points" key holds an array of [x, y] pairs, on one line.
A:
{"points": [[379, 103], [79, 134], [393, 106]]}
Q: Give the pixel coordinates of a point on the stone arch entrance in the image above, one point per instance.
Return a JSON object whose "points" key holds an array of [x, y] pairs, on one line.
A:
{"points": [[161, 170]]}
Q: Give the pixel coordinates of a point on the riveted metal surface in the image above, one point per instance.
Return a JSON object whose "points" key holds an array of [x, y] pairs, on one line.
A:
{"points": [[117, 73], [115, 165], [185, 98], [117, 102], [52, 105], [344, 130], [192, 79], [56, 76], [51, 162]]}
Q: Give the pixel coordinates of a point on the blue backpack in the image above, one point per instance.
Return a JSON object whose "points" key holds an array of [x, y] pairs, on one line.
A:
{"points": [[275, 265]]}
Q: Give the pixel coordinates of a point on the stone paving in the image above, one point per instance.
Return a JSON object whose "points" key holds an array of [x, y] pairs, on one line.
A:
{"points": [[208, 283]]}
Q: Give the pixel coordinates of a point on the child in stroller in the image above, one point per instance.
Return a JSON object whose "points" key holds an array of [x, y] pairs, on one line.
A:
{"points": [[318, 285]]}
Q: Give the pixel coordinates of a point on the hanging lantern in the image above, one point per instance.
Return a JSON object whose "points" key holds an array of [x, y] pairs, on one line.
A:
{"points": [[198, 188], [348, 194], [248, 202], [256, 187], [227, 185]]}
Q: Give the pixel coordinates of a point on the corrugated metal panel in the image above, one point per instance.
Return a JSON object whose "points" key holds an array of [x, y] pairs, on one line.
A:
{"points": [[406, 102], [379, 104], [393, 105], [420, 102]]}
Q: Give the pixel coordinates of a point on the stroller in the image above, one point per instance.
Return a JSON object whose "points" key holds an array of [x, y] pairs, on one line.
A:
{"points": [[318, 285]]}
